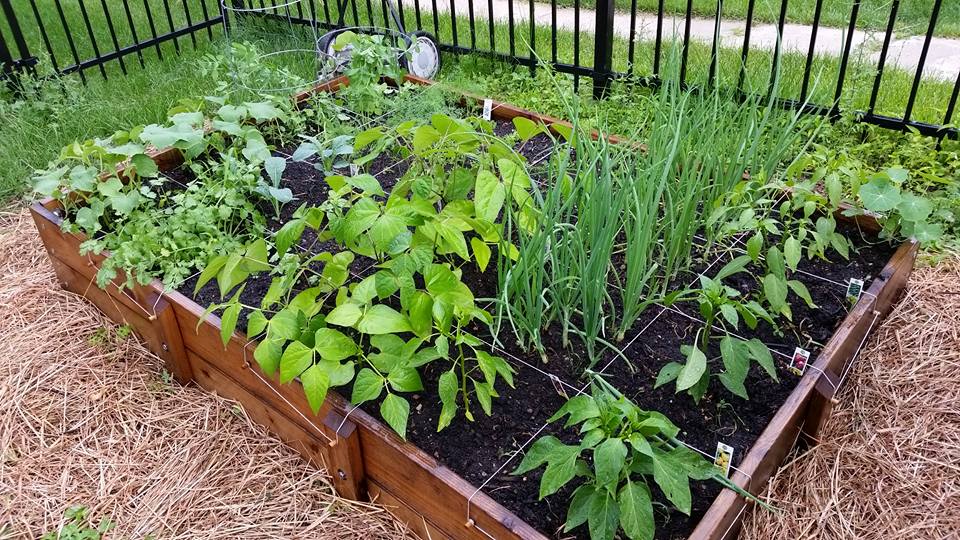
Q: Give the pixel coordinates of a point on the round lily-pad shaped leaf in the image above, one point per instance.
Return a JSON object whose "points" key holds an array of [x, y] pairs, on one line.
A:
{"points": [[914, 207], [927, 232], [880, 195]]}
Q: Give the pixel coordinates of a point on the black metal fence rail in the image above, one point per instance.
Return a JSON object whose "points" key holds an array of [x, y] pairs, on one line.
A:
{"points": [[94, 33]]}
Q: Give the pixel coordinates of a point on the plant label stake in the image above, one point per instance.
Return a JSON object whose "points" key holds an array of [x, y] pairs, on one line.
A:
{"points": [[723, 458], [487, 109], [854, 290], [558, 387], [798, 365], [354, 169]]}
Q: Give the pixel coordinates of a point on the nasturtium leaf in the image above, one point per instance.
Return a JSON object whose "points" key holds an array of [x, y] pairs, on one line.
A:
{"points": [[914, 207], [345, 314], [315, 381], [333, 345], [927, 232], [232, 113], [693, 370], [366, 387], [448, 389], [608, 461], [897, 174], [296, 358], [396, 410], [382, 319], [670, 475], [636, 511], [267, 354], [880, 195]]}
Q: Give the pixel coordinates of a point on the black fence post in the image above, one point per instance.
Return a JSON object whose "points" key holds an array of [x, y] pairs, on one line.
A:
{"points": [[11, 65], [603, 48]]}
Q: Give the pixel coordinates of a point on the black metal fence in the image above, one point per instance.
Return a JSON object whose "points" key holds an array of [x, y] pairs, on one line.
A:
{"points": [[607, 41]]}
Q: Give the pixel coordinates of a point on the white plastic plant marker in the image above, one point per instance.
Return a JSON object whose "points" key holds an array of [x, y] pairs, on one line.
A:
{"points": [[487, 109], [723, 458], [854, 290], [798, 364], [354, 169]]}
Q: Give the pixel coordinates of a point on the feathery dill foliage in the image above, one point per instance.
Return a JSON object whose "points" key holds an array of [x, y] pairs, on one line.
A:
{"points": [[607, 200]]}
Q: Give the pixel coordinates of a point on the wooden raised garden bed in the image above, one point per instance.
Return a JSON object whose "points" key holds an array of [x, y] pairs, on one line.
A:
{"points": [[366, 459]]}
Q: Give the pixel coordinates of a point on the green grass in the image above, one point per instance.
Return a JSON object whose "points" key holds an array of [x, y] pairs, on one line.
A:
{"points": [[913, 16], [32, 135]]}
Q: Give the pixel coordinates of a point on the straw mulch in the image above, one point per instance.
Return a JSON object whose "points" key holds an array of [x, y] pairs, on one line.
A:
{"points": [[87, 418], [888, 465]]}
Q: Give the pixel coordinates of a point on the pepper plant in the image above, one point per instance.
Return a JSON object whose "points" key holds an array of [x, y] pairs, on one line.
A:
{"points": [[623, 454]]}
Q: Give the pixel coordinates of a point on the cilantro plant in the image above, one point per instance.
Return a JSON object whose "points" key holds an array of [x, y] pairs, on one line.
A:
{"points": [[624, 453]]}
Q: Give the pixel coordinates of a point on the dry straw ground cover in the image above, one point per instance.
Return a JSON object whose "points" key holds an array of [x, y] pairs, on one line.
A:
{"points": [[888, 464], [86, 418]]}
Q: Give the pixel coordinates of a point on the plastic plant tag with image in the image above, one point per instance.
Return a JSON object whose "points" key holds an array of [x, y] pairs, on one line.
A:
{"points": [[798, 364], [487, 109], [854, 290], [723, 458], [354, 169]]}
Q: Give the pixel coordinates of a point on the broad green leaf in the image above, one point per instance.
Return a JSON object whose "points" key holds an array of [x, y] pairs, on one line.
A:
{"points": [[420, 314], [668, 373], [927, 232], [775, 290], [366, 183], [395, 410], [274, 167], [670, 475], [288, 235], [775, 264], [914, 207], [489, 195], [736, 364], [792, 252], [527, 128], [898, 175], [636, 511], [228, 322], [801, 290], [333, 345], [315, 381], [579, 408], [481, 252], [448, 389], [754, 246], [561, 468], [256, 323], [345, 315], [761, 353], [580, 506], [144, 165], [285, 324], [608, 460], [262, 111], [880, 195], [730, 314], [366, 387], [382, 319], [693, 370], [405, 379], [296, 358], [735, 266], [483, 395], [267, 354], [538, 453], [604, 517]]}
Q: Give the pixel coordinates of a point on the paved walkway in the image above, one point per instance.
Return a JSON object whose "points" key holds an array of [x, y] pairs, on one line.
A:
{"points": [[943, 59]]}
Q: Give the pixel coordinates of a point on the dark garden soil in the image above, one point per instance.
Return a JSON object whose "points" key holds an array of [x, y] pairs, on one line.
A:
{"points": [[486, 450]]}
